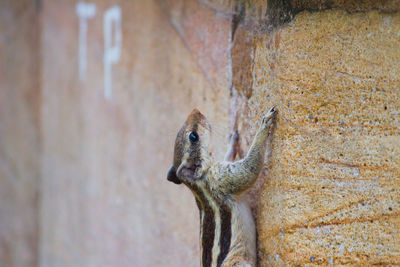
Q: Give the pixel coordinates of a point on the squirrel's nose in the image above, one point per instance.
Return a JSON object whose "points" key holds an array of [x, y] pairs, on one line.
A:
{"points": [[171, 176]]}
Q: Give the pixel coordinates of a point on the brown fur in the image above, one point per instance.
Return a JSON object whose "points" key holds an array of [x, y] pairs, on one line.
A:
{"points": [[227, 231]]}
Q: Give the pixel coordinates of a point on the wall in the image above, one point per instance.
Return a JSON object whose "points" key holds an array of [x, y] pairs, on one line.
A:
{"points": [[333, 189], [19, 132], [97, 153], [105, 197]]}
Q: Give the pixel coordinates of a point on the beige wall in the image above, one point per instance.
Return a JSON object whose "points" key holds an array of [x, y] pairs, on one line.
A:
{"points": [[106, 200], [329, 196], [19, 133]]}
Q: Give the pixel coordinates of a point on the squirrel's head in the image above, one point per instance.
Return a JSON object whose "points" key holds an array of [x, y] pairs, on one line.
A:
{"points": [[191, 149]]}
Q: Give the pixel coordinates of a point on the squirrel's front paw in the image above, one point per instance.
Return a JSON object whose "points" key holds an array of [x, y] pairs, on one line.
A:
{"points": [[269, 116]]}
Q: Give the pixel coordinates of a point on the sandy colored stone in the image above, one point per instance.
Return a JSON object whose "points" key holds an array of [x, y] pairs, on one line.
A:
{"points": [[332, 194], [268, 14]]}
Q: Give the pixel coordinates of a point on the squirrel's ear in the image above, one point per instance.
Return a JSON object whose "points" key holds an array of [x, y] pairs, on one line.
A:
{"points": [[171, 176]]}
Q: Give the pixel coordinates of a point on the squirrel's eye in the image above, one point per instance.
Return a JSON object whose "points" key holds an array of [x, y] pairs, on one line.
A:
{"points": [[193, 137]]}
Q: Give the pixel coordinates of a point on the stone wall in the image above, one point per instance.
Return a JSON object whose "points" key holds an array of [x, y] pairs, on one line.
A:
{"points": [[332, 196], [83, 164]]}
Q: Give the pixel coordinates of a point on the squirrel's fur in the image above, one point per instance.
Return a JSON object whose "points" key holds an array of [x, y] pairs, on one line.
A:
{"points": [[227, 231]]}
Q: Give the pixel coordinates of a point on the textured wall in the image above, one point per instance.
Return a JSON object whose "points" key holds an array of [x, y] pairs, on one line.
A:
{"points": [[333, 191], [330, 194]]}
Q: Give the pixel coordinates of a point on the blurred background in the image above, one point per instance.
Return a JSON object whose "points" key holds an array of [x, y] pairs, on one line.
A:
{"points": [[92, 94]]}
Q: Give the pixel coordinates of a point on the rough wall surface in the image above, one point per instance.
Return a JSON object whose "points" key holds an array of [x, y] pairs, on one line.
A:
{"points": [[19, 132], [330, 194]]}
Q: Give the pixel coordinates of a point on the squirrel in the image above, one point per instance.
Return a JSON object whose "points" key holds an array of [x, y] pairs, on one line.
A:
{"points": [[227, 229]]}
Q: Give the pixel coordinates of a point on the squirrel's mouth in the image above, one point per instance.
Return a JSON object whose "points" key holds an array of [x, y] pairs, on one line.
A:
{"points": [[188, 173], [184, 173]]}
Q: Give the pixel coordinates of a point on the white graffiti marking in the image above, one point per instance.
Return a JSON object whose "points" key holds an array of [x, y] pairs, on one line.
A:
{"points": [[84, 11], [112, 46]]}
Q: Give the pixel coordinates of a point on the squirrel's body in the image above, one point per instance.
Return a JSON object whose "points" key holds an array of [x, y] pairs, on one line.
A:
{"points": [[227, 231]]}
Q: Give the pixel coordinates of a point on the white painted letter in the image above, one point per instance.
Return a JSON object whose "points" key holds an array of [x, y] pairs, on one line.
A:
{"points": [[84, 11], [112, 51]]}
